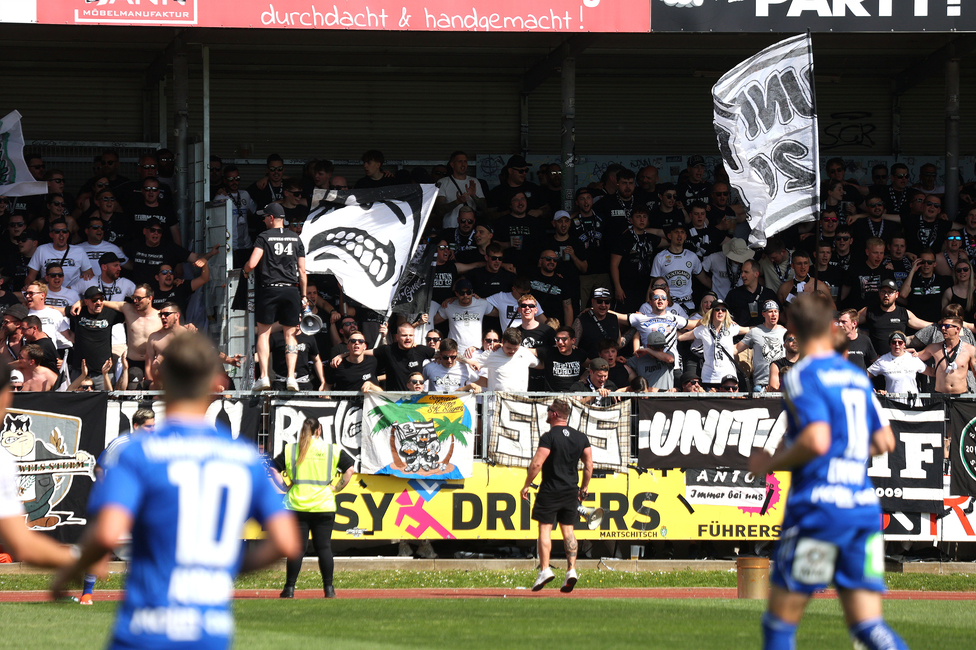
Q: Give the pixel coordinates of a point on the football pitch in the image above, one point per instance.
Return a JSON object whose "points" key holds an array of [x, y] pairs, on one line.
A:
{"points": [[498, 623]]}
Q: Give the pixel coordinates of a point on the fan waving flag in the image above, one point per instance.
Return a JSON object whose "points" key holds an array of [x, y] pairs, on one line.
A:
{"points": [[766, 123], [365, 238], [15, 176]]}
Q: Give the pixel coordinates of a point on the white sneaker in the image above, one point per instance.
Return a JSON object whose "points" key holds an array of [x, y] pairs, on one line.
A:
{"points": [[545, 577], [292, 384], [570, 582], [263, 383]]}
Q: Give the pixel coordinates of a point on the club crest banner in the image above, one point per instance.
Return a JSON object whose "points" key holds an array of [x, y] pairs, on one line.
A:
{"points": [[766, 124], [518, 422], [55, 453], [419, 435]]}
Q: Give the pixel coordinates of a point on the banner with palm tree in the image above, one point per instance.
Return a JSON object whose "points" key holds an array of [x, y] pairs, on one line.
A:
{"points": [[418, 435]]}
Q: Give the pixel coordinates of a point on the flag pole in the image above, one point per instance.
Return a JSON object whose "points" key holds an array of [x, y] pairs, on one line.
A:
{"points": [[816, 157]]}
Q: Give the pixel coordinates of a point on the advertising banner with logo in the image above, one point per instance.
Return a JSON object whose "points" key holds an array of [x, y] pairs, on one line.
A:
{"points": [[786, 16], [55, 454], [909, 479], [571, 16], [646, 507]]}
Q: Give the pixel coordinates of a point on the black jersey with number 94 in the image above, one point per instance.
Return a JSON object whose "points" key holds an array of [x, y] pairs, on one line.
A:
{"points": [[282, 248]]}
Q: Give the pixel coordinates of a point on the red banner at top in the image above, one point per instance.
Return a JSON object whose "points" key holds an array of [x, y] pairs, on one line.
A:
{"points": [[397, 15]]}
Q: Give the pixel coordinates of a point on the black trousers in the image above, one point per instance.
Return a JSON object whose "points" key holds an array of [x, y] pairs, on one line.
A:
{"points": [[320, 524]]}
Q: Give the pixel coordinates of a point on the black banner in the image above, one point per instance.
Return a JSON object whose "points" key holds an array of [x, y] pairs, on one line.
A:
{"points": [[696, 433], [962, 450], [341, 419], [909, 479], [55, 439], [241, 416], [413, 292], [795, 16]]}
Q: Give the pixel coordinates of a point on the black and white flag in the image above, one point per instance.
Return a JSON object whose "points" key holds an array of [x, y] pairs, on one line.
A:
{"points": [[766, 123], [413, 293], [366, 237]]}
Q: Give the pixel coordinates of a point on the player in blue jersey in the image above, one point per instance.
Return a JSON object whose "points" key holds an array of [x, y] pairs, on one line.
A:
{"points": [[184, 493], [832, 524]]}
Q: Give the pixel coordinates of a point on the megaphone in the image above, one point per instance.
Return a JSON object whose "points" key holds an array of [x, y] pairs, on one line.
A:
{"points": [[310, 324], [592, 516]]}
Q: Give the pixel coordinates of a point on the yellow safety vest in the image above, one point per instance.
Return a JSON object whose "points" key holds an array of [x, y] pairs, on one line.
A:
{"points": [[310, 486]]}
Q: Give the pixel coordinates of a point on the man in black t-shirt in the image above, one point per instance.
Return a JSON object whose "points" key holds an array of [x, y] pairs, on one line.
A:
{"points": [[93, 336], [150, 207], [560, 494], [564, 362], [34, 333], [166, 289], [279, 256], [886, 317], [356, 371], [399, 360], [860, 352], [144, 257], [696, 188]]}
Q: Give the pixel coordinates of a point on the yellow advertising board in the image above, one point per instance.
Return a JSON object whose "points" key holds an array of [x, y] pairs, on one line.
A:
{"points": [[689, 504]]}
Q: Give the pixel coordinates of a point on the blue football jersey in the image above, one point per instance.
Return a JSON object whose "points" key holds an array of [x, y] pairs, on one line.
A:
{"points": [[833, 489], [190, 488]]}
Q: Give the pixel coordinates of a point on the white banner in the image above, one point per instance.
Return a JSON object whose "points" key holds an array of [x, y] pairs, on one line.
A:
{"points": [[366, 237], [766, 123], [419, 435], [15, 176]]}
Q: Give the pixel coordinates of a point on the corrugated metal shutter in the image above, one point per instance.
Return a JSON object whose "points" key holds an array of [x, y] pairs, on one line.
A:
{"points": [[61, 106], [923, 118], [407, 117]]}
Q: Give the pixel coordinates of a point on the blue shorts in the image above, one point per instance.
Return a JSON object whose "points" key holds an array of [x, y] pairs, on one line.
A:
{"points": [[806, 560]]}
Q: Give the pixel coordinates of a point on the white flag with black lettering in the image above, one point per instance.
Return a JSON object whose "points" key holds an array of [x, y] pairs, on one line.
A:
{"points": [[366, 237], [766, 123], [15, 176]]}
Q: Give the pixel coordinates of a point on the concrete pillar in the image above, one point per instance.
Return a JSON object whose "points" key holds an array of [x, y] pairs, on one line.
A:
{"points": [[568, 144], [951, 202]]}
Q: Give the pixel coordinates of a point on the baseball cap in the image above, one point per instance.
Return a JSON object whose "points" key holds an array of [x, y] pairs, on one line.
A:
{"points": [[694, 161], [517, 161], [656, 339], [601, 292], [16, 311], [720, 304], [888, 284], [732, 378], [583, 190], [560, 214], [769, 305], [91, 292], [274, 209], [108, 258], [687, 376], [16, 375], [463, 283], [599, 364], [152, 221]]}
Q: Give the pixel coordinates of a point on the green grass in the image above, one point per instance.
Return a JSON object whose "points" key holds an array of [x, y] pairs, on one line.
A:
{"points": [[495, 623], [393, 579]]}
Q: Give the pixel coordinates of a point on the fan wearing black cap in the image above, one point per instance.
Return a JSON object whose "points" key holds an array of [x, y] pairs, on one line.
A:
{"points": [[596, 381], [513, 179], [887, 317], [93, 335], [695, 188], [109, 280], [145, 256], [279, 257], [690, 382]]}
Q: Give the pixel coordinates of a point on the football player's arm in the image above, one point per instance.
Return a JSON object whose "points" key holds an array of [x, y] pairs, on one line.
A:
{"points": [[813, 442], [882, 441], [33, 548]]}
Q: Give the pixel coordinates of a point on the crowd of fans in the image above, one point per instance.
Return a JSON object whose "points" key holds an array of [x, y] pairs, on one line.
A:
{"points": [[642, 286]]}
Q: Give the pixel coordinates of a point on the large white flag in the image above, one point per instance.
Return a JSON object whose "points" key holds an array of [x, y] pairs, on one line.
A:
{"points": [[766, 123], [366, 237], [15, 176]]}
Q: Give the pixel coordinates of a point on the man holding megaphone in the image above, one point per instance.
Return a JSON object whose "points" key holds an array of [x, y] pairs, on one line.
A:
{"points": [[560, 450]]}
